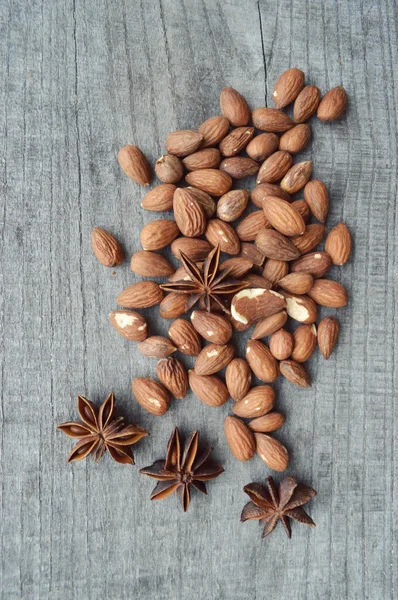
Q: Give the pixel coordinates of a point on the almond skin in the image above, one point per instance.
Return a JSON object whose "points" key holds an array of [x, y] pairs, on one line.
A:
{"points": [[212, 327], [304, 338], [269, 325], [205, 201], [297, 283], [156, 346], [220, 233], [236, 141], [333, 105], [208, 388], [275, 167], [303, 209], [173, 375], [306, 103], [169, 168], [272, 452], [338, 244], [261, 361], [131, 325], [172, 306], [317, 198], [295, 373], [189, 215], [183, 142], [140, 295], [275, 245], [327, 292], [262, 190], [134, 164], [151, 395], [234, 107], [301, 308], [274, 270], [251, 252], [316, 263], [249, 227], [213, 131], [312, 236], [213, 358], [262, 146], [208, 158], [238, 377], [251, 305], [211, 181], [296, 178], [184, 337], [239, 166], [158, 234], [239, 439], [106, 248], [257, 282], [193, 248], [237, 267], [287, 87], [271, 120], [283, 216], [232, 204], [150, 264], [257, 402], [160, 198], [269, 422], [328, 332], [281, 344], [296, 139]]}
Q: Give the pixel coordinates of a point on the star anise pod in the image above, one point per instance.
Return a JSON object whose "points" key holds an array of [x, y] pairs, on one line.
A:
{"points": [[206, 284], [177, 473], [273, 504], [97, 432]]}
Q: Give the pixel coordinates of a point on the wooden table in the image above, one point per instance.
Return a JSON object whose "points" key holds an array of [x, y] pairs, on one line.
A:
{"points": [[80, 78]]}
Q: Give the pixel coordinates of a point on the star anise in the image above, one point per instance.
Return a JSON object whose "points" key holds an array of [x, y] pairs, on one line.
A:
{"points": [[206, 284], [271, 505], [97, 432], [177, 473]]}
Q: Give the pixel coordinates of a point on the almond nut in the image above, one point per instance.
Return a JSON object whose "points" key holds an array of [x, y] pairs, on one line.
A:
{"points": [[251, 305], [158, 234], [249, 227], [303, 209], [195, 249], [306, 103], [238, 377], [151, 395], [333, 105], [304, 338], [281, 344], [211, 181], [317, 198], [275, 167], [160, 198], [106, 248], [235, 141], [237, 267], [257, 281], [232, 204], [189, 215], [261, 361], [283, 216], [212, 327], [239, 439], [239, 166], [312, 236], [297, 177], [257, 402], [219, 233], [183, 142], [208, 158], [275, 245], [301, 308], [134, 164], [131, 325], [173, 375], [262, 146], [338, 244], [156, 346], [213, 358], [150, 264], [295, 373], [296, 139], [316, 263], [251, 252], [269, 325], [274, 270], [272, 452], [205, 201], [269, 422], [262, 190], [327, 292], [169, 168], [173, 305], [142, 294], [184, 337], [213, 131], [208, 388], [297, 283], [234, 107], [328, 332], [287, 87], [271, 120]]}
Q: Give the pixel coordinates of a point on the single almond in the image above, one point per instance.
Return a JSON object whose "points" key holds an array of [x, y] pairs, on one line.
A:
{"points": [[195, 249], [338, 244], [106, 248], [160, 198], [184, 337], [304, 338], [254, 304], [303, 209], [257, 402], [262, 190], [272, 452], [158, 234], [212, 327], [262, 146], [213, 131], [173, 305], [306, 103], [275, 167], [312, 236], [219, 233], [169, 168], [274, 270], [281, 344], [271, 120], [269, 325], [150, 264], [287, 87], [275, 245], [239, 167], [134, 164], [251, 252], [333, 105], [142, 294], [296, 178], [328, 332], [301, 308], [213, 358], [232, 204], [173, 375], [296, 139], [257, 281], [205, 201], [283, 216], [316, 263], [156, 346], [238, 377], [236, 141], [261, 361], [327, 292], [297, 283], [249, 227], [239, 438], [151, 395], [317, 198], [212, 181], [189, 215], [208, 388], [130, 324], [208, 158], [269, 422], [295, 373], [237, 267], [234, 107], [183, 142]]}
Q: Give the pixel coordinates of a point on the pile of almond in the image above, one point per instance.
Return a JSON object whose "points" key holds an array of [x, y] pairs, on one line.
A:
{"points": [[272, 248]]}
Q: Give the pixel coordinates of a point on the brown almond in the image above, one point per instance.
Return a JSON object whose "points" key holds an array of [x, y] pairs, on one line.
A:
{"points": [[130, 324], [181, 275], [287, 87], [283, 216], [272, 452], [257, 281], [269, 325], [275, 167], [183, 142], [213, 358], [173, 305], [254, 304], [106, 248], [208, 388], [249, 227], [316, 263], [208, 158], [281, 344], [169, 168], [317, 198], [236, 141], [296, 139], [239, 166], [212, 327], [238, 377], [328, 332], [173, 375], [303, 209], [134, 164], [301, 308], [213, 131], [333, 105], [142, 294], [257, 402], [237, 267], [251, 252], [310, 239], [212, 181], [156, 346], [261, 361], [151, 395], [275, 245], [189, 215], [150, 264], [271, 120], [262, 190], [232, 204], [219, 233], [327, 292], [158, 234], [205, 201], [295, 373], [338, 244], [274, 270], [238, 326], [297, 283], [304, 338], [160, 198], [296, 178], [184, 337], [234, 107], [269, 422], [195, 249], [239, 438], [306, 103], [262, 146]]}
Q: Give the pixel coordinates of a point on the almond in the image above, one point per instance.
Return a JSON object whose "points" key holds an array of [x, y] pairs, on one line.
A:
{"points": [[312, 236], [208, 158], [150, 264], [301, 308], [213, 131], [262, 190], [287, 87], [208, 388], [271, 452], [158, 234], [151, 395], [297, 177], [238, 377], [281, 344], [262, 146], [156, 346], [248, 229], [189, 215], [140, 295], [213, 358], [212, 181], [232, 204], [234, 107], [274, 270], [131, 325], [173, 305], [181, 275], [283, 216], [160, 198], [257, 281], [297, 283], [169, 168], [235, 141], [269, 422], [333, 105], [269, 325], [338, 244], [106, 248], [193, 248], [257, 402], [306, 103], [295, 373], [251, 305], [173, 375], [275, 245], [134, 164], [304, 338], [238, 326], [183, 142], [237, 267], [296, 139], [184, 337], [239, 439], [261, 361], [252, 253], [328, 293], [328, 332], [219, 233], [275, 167], [317, 198], [271, 120], [316, 263], [205, 201], [239, 166], [303, 209], [212, 327]]}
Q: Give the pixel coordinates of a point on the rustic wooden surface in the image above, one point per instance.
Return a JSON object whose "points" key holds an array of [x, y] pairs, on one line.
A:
{"points": [[80, 78]]}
